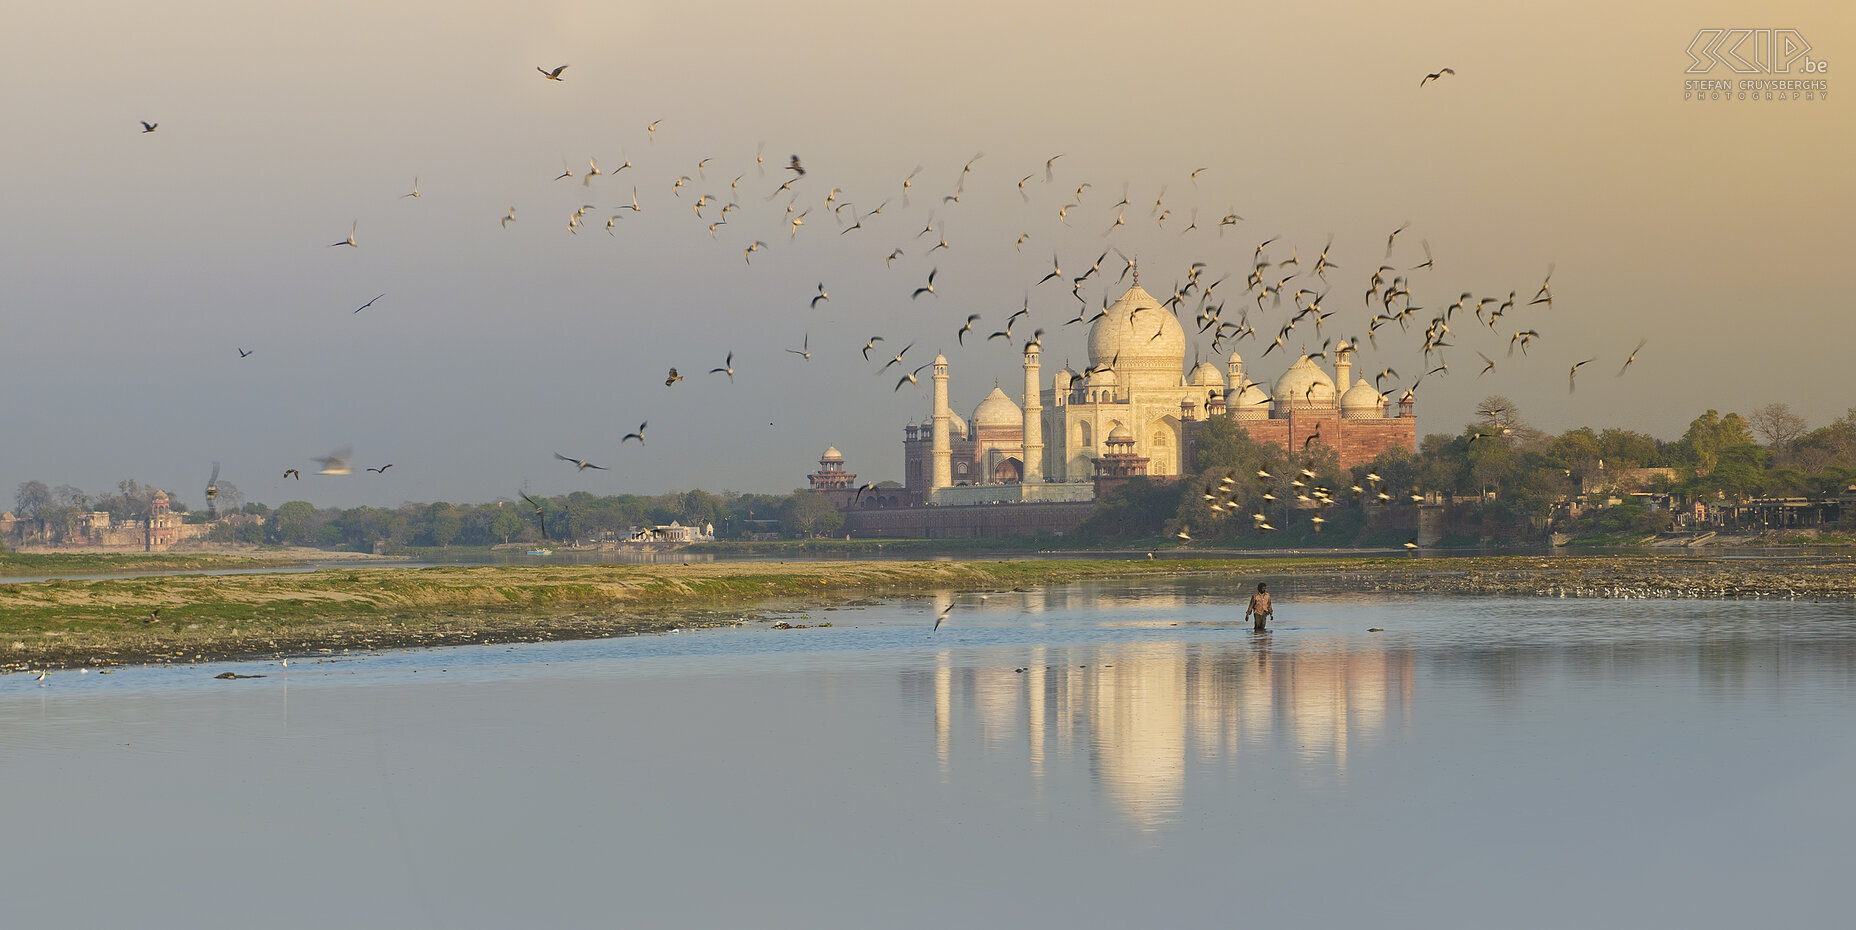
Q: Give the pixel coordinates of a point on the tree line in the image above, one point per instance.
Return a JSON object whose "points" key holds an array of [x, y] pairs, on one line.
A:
{"points": [[1504, 477], [1517, 476]]}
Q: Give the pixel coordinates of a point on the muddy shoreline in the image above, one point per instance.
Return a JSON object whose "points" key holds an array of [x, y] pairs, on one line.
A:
{"points": [[196, 618]]}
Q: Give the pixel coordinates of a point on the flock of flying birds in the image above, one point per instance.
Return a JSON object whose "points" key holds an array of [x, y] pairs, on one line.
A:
{"points": [[1270, 298]]}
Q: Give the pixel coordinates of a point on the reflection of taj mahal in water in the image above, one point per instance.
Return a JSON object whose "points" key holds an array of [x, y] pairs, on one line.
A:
{"points": [[1145, 715], [1132, 412]]}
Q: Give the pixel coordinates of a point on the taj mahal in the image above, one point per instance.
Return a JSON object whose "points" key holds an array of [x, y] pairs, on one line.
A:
{"points": [[1134, 411]]}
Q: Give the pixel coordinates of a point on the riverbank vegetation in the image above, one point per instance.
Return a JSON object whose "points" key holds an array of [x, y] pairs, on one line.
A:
{"points": [[1499, 480], [191, 617]]}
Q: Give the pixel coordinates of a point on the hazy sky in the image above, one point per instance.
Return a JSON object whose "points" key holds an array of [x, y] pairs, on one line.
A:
{"points": [[136, 265]]}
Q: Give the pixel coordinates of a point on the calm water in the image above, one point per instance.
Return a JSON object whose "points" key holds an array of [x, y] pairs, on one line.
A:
{"points": [[1481, 763]]}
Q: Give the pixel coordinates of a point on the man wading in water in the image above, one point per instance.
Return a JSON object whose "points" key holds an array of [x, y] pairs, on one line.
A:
{"points": [[1259, 607]]}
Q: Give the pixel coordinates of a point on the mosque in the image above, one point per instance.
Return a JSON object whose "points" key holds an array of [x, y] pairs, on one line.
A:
{"points": [[1133, 412]]}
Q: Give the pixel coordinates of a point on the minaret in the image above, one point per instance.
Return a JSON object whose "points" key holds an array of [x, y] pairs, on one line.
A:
{"points": [[1034, 419], [1235, 374], [1343, 372], [942, 448]]}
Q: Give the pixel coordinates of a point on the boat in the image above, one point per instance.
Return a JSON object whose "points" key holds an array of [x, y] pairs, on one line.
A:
{"points": [[540, 552]]}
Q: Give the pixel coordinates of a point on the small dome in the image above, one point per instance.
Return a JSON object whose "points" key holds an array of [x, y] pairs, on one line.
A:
{"points": [[1205, 374], [1064, 375], [998, 410], [1304, 386], [956, 427], [1361, 401], [1361, 395], [1120, 434], [831, 455], [1250, 403]]}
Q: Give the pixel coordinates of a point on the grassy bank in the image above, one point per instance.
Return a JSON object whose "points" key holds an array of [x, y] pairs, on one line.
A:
{"points": [[178, 618], [104, 563]]}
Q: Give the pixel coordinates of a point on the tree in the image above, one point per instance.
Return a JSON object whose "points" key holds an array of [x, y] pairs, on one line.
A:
{"points": [[507, 523], [445, 523], [1777, 424], [1708, 437], [230, 497], [806, 513], [31, 498], [297, 524]]}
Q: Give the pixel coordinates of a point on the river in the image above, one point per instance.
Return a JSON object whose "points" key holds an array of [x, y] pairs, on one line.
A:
{"points": [[1105, 754]]}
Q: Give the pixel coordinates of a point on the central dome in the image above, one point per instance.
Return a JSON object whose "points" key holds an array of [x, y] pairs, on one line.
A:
{"points": [[998, 410], [1140, 340]]}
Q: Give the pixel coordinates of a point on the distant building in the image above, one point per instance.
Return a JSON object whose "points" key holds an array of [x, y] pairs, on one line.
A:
{"points": [[674, 533], [1134, 411], [96, 529], [1056, 445]]}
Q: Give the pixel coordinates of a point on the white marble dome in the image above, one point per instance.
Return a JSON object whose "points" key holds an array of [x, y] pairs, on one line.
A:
{"points": [[1304, 386], [1206, 374], [998, 410], [1141, 340], [831, 455], [1250, 403], [956, 427], [1361, 400]]}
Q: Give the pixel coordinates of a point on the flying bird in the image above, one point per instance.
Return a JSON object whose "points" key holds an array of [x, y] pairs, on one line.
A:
{"points": [[244, 352], [581, 464], [368, 304], [554, 75], [415, 189], [541, 513], [805, 348], [929, 287], [335, 463], [871, 345], [1573, 373], [672, 378], [350, 240], [910, 378], [639, 435], [293, 473], [728, 368], [148, 127], [1633, 355], [898, 359], [1436, 75], [821, 295], [964, 330], [382, 469], [212, 492]]}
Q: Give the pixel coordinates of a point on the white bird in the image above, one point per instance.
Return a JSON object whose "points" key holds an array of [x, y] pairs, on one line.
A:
{"points": [[350, 240], [335, 463]]}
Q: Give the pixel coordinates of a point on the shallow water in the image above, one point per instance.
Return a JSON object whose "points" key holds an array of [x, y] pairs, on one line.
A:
{"points": [[1483, 762]]}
